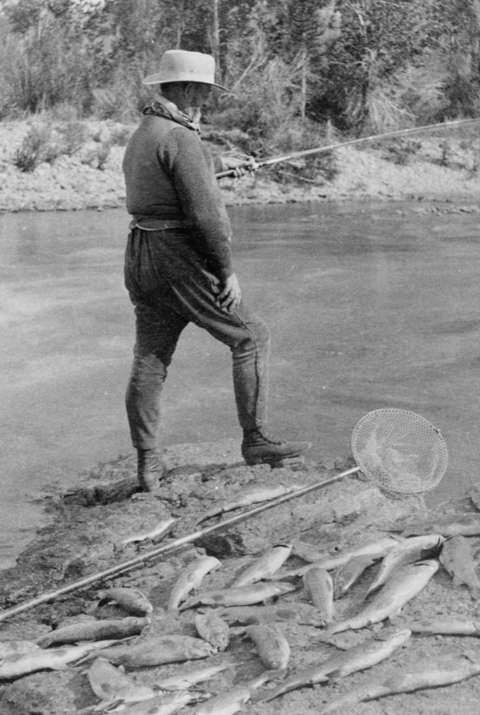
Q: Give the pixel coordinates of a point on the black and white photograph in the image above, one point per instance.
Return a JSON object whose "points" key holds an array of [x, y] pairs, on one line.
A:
{"points": [[240, 349]]}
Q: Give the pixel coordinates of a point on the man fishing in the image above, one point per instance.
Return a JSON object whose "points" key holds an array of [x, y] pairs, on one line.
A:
{"points": [[178, 265]]}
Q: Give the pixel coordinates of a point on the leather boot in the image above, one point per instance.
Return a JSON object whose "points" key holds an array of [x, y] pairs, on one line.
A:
{"points": [[258, 448], [150, 469]]}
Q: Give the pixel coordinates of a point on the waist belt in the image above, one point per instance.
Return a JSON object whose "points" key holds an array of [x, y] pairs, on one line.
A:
{"points": [[159, 224]]}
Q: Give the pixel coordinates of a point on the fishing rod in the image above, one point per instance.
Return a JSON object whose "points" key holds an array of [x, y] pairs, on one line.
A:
{"points": [[350, 142], [131, 564]]}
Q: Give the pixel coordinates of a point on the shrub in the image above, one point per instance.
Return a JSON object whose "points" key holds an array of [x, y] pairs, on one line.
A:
{"points": [[46, 141], [445, 150], [401, 150], [34, 148], [73, 134]]}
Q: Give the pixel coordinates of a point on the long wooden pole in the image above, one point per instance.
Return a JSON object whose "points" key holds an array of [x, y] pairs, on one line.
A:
{"points": [[131, 564], [353, 142]]}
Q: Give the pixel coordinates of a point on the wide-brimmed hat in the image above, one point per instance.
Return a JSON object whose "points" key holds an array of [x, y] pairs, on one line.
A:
{"points": [[184, 66]]}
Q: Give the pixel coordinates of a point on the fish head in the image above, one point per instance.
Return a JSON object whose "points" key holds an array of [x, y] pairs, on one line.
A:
{"points": [[431, 564], [281, 587]]}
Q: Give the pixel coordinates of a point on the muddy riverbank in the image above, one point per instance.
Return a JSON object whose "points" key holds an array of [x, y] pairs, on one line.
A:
{"points": [[86, 534]]}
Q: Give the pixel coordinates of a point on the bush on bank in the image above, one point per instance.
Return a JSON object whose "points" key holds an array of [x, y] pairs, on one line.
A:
{"points": [[49, 138]]}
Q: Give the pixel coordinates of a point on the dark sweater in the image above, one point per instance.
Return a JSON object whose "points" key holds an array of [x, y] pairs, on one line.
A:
{"points": [[169, 174]]}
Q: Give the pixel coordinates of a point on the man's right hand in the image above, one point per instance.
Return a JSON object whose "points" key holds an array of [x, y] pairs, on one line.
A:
{"points": [[239, 166], [229, 294]]}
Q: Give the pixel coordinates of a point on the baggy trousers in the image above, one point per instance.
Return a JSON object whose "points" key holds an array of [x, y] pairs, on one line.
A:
{"points": [[170, 286]]}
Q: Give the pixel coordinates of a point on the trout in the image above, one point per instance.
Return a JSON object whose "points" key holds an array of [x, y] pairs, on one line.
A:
{"points": [[350, 573], [299, 612], [157, 651], [158, 705], [360, 657], [272, 646], [241, 596], [457, 559], [265, 566], [404, 585], [432, 677], [248, 497], [233, 700], [131, 600], [463, 527], [110, 684], [53, 659], [318, 586], [190, 579], [155, 534], [114, 628], [376, 548], [414, 549], [212, 628], [446, 627], [183, 681]]}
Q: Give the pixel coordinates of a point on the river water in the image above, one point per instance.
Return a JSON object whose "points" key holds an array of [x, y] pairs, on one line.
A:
{"points": [[369, 305]]}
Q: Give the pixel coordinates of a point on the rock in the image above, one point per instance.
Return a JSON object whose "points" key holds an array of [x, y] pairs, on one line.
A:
{"points": [[222, 545], [104, 493], [47, 693]]}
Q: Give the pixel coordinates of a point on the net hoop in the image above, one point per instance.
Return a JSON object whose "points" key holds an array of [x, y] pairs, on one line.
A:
{"points": [[402, 452]]}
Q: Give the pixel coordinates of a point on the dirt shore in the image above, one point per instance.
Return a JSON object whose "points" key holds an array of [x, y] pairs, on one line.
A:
{"points": [[86, 533], [445, 167]]}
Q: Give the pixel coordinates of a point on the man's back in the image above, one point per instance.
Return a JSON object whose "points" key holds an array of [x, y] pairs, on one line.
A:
{"points": [[148, 180]]}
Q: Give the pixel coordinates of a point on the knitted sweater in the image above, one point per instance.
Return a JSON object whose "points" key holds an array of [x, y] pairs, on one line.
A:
{"points": [[169, 174]]}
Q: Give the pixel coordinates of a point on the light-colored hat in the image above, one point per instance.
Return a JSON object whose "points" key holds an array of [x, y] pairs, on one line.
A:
{"points": [[183, 66]]}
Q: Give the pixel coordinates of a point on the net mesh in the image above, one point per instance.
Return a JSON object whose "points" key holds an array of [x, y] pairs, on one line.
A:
{"points": [[399, 450]]}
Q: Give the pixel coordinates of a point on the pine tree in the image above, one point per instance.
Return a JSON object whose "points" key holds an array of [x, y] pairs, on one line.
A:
{"points": [[314, 26]]}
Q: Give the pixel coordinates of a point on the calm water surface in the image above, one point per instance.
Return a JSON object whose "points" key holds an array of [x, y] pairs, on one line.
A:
{"points": [[370, 305]]}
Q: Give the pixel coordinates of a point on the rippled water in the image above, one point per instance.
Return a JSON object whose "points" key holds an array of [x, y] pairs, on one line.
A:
{"points": [[369, 304]]}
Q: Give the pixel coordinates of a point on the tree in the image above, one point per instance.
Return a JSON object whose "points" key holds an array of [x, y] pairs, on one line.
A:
{"points": [[314, 28], [300, 34]]}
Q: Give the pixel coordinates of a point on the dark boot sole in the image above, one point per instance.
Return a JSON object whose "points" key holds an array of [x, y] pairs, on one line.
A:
{"points": [[286, 461]]}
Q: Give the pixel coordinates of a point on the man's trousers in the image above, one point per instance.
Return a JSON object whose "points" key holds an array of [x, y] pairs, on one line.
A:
{"points": [[170, 286]]}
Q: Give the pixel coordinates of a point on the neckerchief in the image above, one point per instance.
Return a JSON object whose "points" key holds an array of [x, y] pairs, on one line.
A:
{"points": [[162, 107]]}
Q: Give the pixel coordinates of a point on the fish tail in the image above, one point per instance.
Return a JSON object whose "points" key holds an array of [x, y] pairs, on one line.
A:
{"points": [[283, 689], [274, 694]]}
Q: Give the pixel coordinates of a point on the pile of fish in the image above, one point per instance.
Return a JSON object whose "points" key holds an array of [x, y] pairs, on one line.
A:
{"points": [[264, 593]]}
